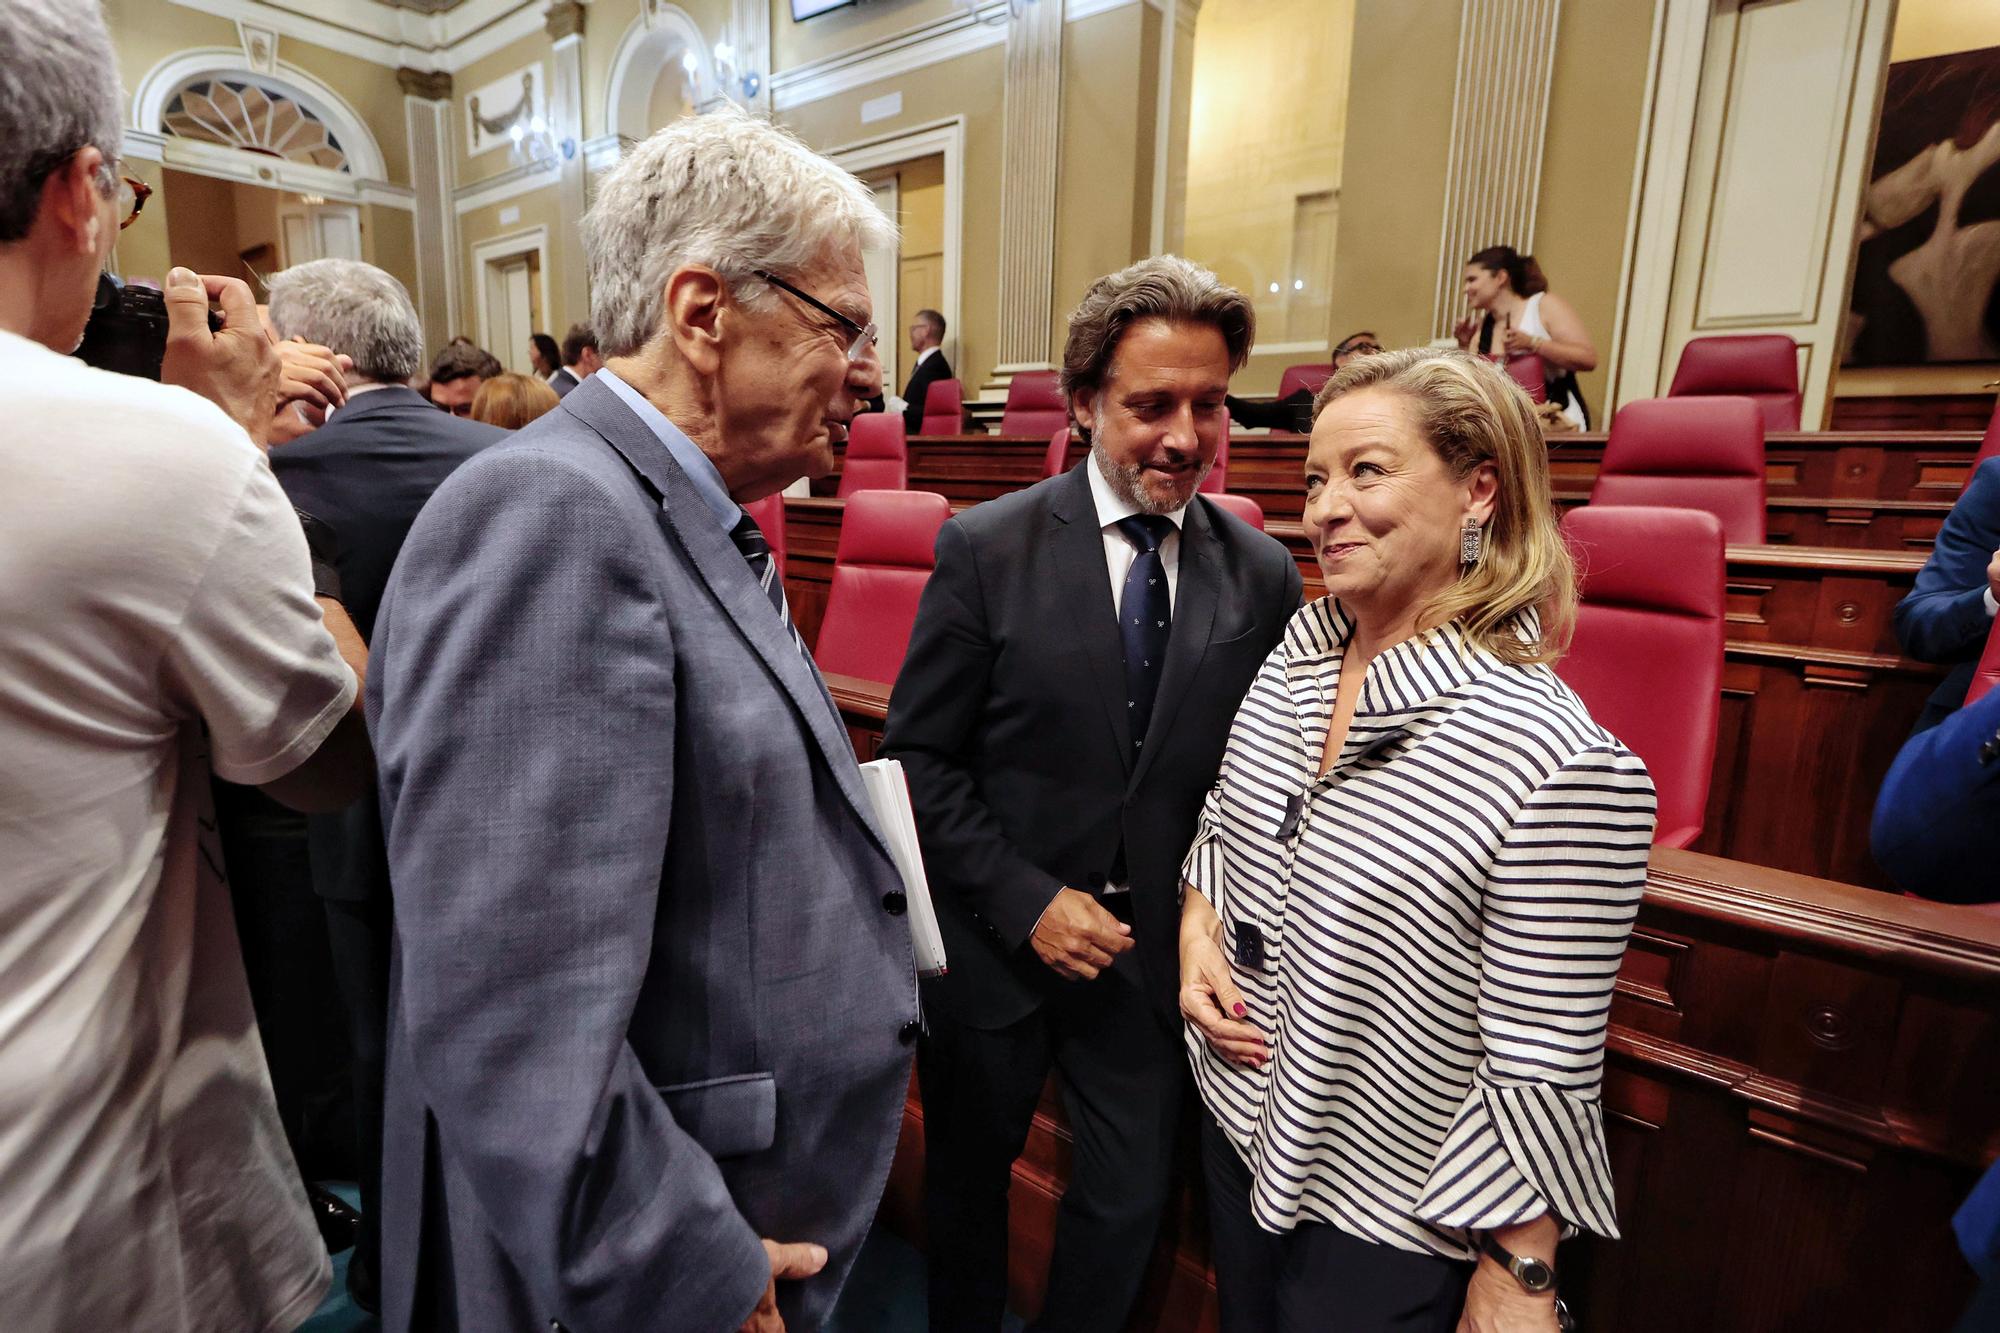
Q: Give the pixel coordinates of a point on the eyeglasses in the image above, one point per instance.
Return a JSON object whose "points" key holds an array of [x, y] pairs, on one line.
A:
{"points": [[1366, 346], [132, 197], [864, 334]]}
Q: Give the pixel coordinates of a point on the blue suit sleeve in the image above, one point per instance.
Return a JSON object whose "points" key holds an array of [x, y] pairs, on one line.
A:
{"points": [[1944, 618], [523, 694], [1936, 830]]}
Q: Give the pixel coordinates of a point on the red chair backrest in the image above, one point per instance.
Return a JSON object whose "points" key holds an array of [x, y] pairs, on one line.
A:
{"points": [[1695, 453], [1217, 480], [1243, 507], [1763, 367], [1989, 447], [1056, 460], [944, 408], [770, 515], [888, 541], [1987, 674], [877, 457], [1035, 404], [1647, 656], [1531, 374], [1309, 377]]}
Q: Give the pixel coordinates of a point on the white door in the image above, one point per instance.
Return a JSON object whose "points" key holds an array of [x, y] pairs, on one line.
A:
{"points": [[881, 267], [318, 231], [509, 309]]}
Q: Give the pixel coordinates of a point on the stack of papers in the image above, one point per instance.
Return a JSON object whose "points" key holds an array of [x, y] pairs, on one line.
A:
{"points": [[889, 793]]}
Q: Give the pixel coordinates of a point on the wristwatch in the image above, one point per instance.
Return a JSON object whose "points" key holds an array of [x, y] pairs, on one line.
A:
{"points": [[1534, 1275]]}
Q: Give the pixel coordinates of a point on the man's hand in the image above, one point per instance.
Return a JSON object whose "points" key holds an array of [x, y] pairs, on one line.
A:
{"points": [[788, 1263], [312, 382], [1077, 937], [1993, 575], [236, 367]]}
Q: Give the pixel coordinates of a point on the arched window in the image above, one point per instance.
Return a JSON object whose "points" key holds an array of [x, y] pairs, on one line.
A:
{"points": [[239, 113]]}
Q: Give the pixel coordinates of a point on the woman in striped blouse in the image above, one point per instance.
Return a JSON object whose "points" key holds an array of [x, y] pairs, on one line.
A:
{"points": [[1410, 890]]}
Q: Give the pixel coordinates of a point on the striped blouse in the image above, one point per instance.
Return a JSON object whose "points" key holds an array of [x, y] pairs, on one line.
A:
{"points": [[1427, 938]]}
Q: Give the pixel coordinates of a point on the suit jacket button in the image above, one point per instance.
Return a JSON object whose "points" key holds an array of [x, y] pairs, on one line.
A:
{"points": [[908, 1032], [1096, 879], [894, 903]]}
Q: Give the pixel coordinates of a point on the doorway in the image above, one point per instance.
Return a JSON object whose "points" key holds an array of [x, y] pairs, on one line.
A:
{"points": [[240, 230], [513, 293]]}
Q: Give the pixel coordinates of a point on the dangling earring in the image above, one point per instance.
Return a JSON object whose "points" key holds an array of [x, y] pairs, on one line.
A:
{"points": [[1470, 541]]}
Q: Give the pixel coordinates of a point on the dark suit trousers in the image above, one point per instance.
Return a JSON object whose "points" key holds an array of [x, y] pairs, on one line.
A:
{"points": [[1315, 1278], [360, 933], [1122, 1074]]}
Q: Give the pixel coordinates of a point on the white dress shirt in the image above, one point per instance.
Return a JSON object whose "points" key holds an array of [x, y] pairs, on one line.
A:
{"points": [[1119, 552]]}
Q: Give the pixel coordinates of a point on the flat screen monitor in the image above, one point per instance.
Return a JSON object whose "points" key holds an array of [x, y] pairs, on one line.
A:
{"points": [[805, 9]]}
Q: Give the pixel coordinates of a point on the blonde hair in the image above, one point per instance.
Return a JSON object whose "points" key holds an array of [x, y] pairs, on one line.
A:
{"points": [[1470, 412], [510, 401]]}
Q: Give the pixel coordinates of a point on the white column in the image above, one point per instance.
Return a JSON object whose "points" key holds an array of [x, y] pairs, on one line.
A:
{"points": [[565, 29], [1500, 115], [750, 30], [1031, 146], [427, 116]]}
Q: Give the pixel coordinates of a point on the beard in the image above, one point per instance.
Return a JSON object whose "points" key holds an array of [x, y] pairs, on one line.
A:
{"points": [[1128, 481]]}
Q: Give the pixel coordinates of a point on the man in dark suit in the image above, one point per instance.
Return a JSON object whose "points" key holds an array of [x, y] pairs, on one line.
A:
{"points": [[1936, 831], [1947, 614], [366, 473], [1077, 658], [927, 341], [579, 355]]}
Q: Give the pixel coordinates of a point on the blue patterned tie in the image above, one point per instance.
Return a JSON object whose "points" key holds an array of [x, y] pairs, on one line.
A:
{"points": [[1145, 618], [749, 539]]}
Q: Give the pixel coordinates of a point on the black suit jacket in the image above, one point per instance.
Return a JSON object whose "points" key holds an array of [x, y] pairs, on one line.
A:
{"points": [[563, 381], [367, 472], [932, 369], [1009, 719]]}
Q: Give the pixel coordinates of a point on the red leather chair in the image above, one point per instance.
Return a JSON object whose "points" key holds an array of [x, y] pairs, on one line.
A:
{"points": [[877, 456], [1647, 656], [1763, 367], [1056, 460], [1308, 377], [1217, 480], [1695, 453], [944, 408], [887, 549], [1531, 373], [1987, 674], [1243, 507], [770, 515], [1035, 404]]}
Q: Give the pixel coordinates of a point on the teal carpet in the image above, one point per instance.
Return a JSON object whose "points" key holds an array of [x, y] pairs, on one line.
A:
{"points": [[885, 1292]]}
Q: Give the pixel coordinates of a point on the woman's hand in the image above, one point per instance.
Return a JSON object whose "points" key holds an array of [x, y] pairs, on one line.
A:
{"points": [[1520, 343], [1209, 998], [1465, 331], [1496, 1303]]}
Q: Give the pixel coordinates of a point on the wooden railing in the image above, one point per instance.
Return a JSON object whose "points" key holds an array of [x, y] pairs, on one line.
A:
{"points": [[1816, 695], [1802, 1082]]}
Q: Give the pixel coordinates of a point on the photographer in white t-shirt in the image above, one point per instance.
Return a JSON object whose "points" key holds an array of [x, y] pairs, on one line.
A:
{"points": [[157, 618]]}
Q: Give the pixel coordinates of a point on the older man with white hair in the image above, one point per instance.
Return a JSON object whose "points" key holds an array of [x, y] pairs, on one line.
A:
{"points": [[157, 623], [655, 1002]]}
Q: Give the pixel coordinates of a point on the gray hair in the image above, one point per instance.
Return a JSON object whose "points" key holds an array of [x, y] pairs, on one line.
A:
{"points": [[354, 308], [1167, 287], [59, 94], [725, 190]]}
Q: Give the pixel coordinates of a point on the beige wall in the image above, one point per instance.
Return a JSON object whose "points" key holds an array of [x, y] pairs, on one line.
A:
{"points": [[1103, 180], [1263, 132], [845, 29], [1926, 28]]}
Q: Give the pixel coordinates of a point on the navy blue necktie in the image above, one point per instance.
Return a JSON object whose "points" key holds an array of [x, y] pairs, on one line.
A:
{"points": [[749, 539], [1145, 618]]}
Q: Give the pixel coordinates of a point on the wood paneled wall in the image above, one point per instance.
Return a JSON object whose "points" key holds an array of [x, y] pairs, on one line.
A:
{"points": [[1816, 696], [1803, 1080]]}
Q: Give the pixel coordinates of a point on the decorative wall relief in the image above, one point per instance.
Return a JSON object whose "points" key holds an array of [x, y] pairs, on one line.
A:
{"points": [[505, 111], [1927, 271]]}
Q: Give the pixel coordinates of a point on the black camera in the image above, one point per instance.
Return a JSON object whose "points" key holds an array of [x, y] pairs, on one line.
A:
{"points": [[127, 332]]}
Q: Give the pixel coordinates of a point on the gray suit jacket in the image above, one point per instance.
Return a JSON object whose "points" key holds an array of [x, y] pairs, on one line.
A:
{"points": [[649, 1002]]}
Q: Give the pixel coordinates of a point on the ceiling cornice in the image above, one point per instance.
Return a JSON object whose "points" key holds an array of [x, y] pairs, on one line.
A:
{"points": [[390, 34]]}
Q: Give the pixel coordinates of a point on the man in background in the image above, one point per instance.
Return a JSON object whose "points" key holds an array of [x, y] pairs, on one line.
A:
{"points": [[157, 622], [366, 472], [460, 367], [579, 356], [927, 341], [1951, 608]]}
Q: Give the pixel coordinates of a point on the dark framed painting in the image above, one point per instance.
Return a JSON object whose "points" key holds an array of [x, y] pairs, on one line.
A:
{"points": [[1927, 270]]}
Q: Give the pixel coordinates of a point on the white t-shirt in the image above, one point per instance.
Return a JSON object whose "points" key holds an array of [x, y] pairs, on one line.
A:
{"points": [[153, 581]]}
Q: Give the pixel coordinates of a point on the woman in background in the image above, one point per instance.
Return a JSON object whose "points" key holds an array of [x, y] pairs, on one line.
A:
{"points": [[1410, 890], [543, 354], [511, 400], [1515, 314]]}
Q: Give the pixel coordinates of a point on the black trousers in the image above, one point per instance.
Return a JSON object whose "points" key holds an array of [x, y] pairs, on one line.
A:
{"points": [[1315, 1278], [1121, 1071], [360, 934]]}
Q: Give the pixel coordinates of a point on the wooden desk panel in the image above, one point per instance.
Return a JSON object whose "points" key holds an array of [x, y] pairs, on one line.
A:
{"points": [[1798, 1073]]}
